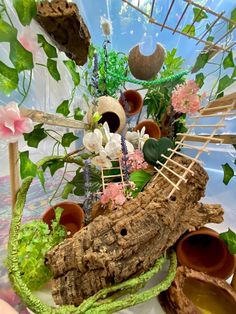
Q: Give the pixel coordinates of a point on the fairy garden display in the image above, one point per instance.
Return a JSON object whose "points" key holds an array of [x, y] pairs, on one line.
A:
{"points": [[134, 194]]}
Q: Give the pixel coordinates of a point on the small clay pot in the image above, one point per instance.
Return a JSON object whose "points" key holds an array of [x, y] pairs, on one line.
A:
{"points": [[112, 113], [134, 101], [204, 251], [151, 128], [72, 217]]}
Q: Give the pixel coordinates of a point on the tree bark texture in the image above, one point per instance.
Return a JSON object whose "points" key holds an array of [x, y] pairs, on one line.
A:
{"points": [[128, 240], [62, 21]]}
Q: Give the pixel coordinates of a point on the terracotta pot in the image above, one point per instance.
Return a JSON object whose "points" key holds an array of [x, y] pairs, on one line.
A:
{"points": [[72, 217], [111, 112], [146, 67], [134, 100], [151, 128], [204, 251], [195, 292]]}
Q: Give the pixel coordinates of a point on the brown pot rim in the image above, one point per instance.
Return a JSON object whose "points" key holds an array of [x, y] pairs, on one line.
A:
{"points": [[139, 104], [152, 124]]}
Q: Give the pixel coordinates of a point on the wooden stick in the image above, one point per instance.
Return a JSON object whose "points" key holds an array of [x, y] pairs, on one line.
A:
{"points": [[205, 126], [51, 119], [175, 173], [217, 109], [177, 164], [199, 137], [214, 115], [184, 155], [161, 173], [14, 171], [225, 100], [193, 147], [226, 138]]}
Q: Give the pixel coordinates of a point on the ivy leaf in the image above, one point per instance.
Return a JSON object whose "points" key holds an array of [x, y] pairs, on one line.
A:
{"points": [[200, 79], [234, 73], [63, 108], [228, 173], [7, 32], [95, 181], [189, 29], [27, 167], [199, 15], [36, 136], [78, 114], [8, 79], [25, 10], [40, 174], [68, 188], [52, 68], [50, 50], [232, 17], [71, 66], [210, 38], [140, 178], [55, 165], [21, 58], [68, 138], [229, 61], [224, 82], [201, 61], [229, 237]]}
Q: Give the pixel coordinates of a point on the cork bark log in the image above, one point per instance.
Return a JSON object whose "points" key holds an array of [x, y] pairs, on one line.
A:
{"points": [[128, 240], [62, 21]]}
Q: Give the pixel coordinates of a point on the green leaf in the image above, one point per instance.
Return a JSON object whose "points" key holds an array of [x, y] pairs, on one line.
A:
{"points": [[25, 10], [200, 79], [36, 136], [201, 61], [67, 139], [21, 58], [63, 108], [78, 114], [55, 165], [224, 82], [229, 237], [228, 173], [199, 14], [229, 61], [40, 174], [27, 167], [210, 38], [68, 188], [52, 68], [71, 66], [189, 29], [7, 32], [95, 181], [234, 73], [232, 17], [140, 178], [50, 50], [153, 149], [8, 79]]}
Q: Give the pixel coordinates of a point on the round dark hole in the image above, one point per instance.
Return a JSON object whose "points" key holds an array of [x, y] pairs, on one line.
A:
{"points": [[123, 232], [112, 119], [173, 198]]}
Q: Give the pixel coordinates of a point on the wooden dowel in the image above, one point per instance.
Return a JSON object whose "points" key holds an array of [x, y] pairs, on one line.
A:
{"points": [[14, 171], [205, 126], [225, 100], [161, 173], [184, 155], [214, 115], [167, 168], [226, 138], [217, 109], [177, 164], [193, 147], [201, 137]]}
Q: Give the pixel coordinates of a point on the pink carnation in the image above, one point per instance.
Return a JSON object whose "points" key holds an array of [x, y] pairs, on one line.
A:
{"points": [[136, 161], [113, 192], [185, 98], [12, 125]]}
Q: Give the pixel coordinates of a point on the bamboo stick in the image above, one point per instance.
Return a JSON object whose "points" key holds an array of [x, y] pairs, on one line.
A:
{"points": [[225, 100], [161, 173], [209, 110], [177, 164], [205, 126], [226, 138], [175, 173], [200, 137], [198, 148], [184, 155], [14, 171]]}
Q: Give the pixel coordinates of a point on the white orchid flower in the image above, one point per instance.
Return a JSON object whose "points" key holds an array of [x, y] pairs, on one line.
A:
{"points": [[142, 138], [93, 141], [106, 132], [101, 160], [133, 138], [113, 147]]}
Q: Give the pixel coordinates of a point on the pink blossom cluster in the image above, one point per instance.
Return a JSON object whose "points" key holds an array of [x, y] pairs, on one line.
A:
{"points": [[113, 192], [136, 161], [185, 98], [12, 124]]}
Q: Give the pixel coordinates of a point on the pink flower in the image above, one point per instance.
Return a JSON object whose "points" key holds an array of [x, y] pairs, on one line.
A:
{"points": [[136, 161], [113, 192], [28, 39], [12, 125], [185, 98]]}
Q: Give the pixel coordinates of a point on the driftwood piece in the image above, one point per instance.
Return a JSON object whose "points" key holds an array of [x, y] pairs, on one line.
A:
{"points": [[127, 241], [62, 21], [175, 301]]}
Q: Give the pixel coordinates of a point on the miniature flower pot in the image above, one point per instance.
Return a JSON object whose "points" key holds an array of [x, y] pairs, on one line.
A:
{"points": [[111, 112], [134, 101], [151, 128], [72, 217], [195, 292], [204, 251], [146, 67]]}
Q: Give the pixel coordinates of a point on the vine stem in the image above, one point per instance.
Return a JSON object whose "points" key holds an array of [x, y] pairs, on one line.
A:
{"points": [[59, 185], [28, 88], [7, 14]]}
